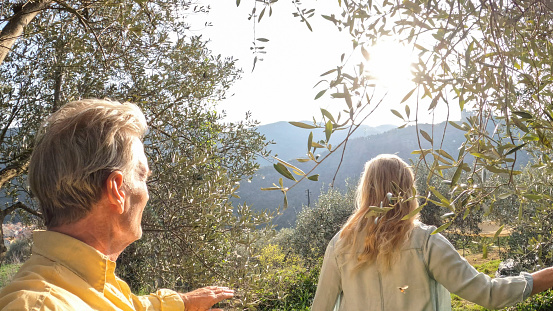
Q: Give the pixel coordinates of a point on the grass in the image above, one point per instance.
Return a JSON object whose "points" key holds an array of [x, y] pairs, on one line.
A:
{"points": [[459, 304], [7, 271]]}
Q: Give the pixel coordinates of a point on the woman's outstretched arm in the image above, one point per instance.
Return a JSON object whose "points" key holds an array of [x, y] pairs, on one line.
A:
{"points": [[450, 269]]}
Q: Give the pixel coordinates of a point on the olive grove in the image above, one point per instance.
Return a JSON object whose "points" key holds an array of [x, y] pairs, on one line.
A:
{"points": [[493, 58]]}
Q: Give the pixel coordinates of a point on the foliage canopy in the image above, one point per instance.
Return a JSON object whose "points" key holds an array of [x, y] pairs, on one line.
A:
{"points": [[140, 51]]}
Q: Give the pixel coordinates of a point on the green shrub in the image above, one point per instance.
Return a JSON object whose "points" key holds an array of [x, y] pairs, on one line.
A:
{"points": [[18, 251], [7, 271], [539, 302], [286, 283]]}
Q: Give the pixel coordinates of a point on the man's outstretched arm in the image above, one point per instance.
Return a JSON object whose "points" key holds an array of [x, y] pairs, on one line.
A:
{"points": [[204, 298]]}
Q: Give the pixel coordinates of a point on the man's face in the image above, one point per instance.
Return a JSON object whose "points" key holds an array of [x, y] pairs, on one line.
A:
{"points": [[137, 191]]}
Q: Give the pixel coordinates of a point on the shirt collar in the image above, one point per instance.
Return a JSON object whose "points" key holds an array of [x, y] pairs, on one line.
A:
{"points": [[81, 258]]}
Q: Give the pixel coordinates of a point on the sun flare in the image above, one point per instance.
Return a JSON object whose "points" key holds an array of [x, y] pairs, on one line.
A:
{"points": [[389, 64]]}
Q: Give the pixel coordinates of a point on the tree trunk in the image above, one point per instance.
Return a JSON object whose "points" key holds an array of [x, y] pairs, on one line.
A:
{"points": [[17, 23], [14, 169], [3, 248], [58, 76]]}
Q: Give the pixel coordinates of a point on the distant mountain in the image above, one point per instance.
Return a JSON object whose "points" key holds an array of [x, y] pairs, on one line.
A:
{"points": [[290, 142], [359, 150]]}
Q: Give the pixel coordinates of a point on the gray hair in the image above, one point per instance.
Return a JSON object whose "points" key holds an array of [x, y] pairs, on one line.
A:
{"points": [[77, 148]]}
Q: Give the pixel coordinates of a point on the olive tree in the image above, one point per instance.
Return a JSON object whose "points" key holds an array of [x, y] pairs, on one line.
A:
{"points": [[140, 51], [55, 51]]}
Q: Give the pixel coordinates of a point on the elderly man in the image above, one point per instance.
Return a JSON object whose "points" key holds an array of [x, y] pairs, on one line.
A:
{"points": [[88, 172]]}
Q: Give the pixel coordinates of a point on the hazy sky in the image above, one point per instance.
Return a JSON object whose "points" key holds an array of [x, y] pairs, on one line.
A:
{"points": [[281, 86]]}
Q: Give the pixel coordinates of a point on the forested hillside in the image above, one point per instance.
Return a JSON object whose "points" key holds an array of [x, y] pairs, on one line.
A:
{"points": [[288, 141], [359, 150]]}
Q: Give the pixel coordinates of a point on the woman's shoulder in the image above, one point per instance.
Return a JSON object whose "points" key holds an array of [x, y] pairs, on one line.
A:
{"points": [[420, 234], [335, 239], [423, 227]]}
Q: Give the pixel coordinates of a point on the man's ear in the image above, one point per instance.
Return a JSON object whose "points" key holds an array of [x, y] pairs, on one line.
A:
{"points": [[115, 192]]}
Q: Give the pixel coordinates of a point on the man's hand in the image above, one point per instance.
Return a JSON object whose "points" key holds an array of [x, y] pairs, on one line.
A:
{"points": [[203, 299]]}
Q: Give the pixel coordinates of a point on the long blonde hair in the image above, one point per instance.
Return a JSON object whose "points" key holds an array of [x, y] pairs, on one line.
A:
{"points": [[383, 234]]}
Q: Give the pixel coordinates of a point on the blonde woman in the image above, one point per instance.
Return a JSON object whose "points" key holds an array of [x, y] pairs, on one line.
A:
{"points": [[380, 262]]}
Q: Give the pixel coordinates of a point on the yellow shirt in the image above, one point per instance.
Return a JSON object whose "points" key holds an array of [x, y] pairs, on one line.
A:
{"points": [[66, 274]]}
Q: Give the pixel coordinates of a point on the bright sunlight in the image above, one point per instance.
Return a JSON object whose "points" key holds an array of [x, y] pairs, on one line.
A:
{"points": [[390, 65]]}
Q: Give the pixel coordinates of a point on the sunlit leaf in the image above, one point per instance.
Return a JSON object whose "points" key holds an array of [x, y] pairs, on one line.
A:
{"points": [[279, 167], [397, 113], [413, 213], [328, 115], [365, 54], [321, 93], [532, 196], [445, 154], [519, 124], [441, 228], [426, 136], [271, 188], [504, 195], [302, 125], [523, 114], [498, 232], [466, 213], [434, 102], [254, 62], [530, 137], [328, 130], [347, 96], [314, 177], [328, 72], [439, 195], [299, 172], [308, 25], [457, 126], [261, 15], [467, 53], [515, 149], [457, 174], [380, 210], [447, 215], [406, 97]]}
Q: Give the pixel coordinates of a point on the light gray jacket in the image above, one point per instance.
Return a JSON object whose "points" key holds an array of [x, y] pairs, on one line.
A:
{"points": [[431, 268]]}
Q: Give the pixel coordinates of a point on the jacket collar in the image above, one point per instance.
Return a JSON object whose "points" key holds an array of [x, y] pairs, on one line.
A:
{"points": [[82, 259]]}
